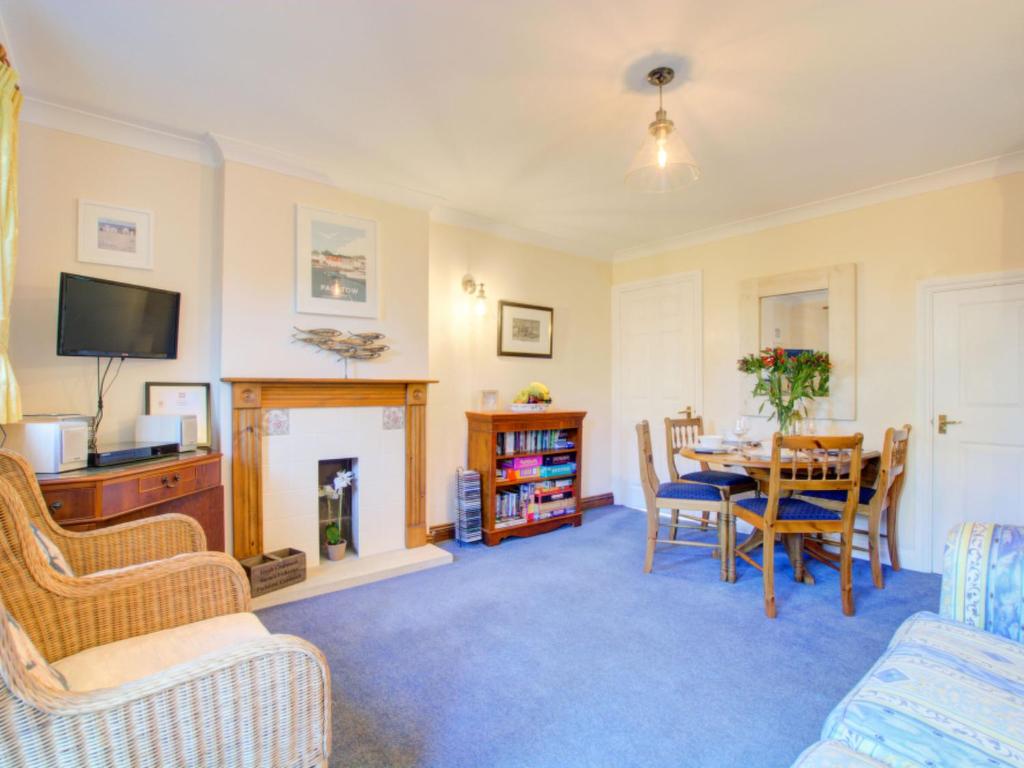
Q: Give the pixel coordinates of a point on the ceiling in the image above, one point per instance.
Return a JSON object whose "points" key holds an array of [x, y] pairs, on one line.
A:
{"points": [[528, 112]]}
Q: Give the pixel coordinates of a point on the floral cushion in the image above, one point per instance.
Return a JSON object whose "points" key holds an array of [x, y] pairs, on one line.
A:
{"points": [[943, 694], [51, 552], [30, 657], [983, 578]]}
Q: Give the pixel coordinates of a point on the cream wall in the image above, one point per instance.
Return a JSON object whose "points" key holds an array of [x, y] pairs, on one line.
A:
{"points": [[56, 170], [969, 229], [463, 347], [259, 280]]}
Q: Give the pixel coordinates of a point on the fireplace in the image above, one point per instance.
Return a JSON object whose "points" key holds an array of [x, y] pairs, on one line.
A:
{"points": [[267, 498], [338, 499]]}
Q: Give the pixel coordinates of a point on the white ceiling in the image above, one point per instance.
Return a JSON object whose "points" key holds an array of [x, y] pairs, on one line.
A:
{"points": [[528, 112]]}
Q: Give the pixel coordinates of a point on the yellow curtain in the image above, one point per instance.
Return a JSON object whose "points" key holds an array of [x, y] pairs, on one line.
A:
{"points": [[10, 104]]}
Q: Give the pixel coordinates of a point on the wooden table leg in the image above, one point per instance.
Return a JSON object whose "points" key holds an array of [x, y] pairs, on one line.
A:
{"points": [[752, 542], [795, 551]]}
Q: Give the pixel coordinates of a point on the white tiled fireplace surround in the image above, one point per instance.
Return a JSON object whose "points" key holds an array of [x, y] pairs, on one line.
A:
{"points": [[294, 441]]}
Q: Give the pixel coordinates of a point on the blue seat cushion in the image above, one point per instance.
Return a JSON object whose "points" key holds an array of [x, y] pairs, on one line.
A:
{"points": [[721, 479], [689, 492], [866, 495], [790, 509]]}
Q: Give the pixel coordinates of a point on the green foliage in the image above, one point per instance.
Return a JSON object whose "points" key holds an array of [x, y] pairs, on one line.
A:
{"points": [[787, 382], [332, 533]]}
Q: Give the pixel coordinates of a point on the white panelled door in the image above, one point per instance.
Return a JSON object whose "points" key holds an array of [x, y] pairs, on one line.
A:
{"points": [[978, 388], [656, 331]]}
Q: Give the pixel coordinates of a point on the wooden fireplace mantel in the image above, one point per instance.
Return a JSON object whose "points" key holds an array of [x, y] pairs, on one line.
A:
{"points": [[251, 396]]}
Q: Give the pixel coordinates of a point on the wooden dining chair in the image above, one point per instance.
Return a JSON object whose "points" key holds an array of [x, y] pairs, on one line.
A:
{"points": [[684, 498], [801, 464], [684, 433], [873, 504]]}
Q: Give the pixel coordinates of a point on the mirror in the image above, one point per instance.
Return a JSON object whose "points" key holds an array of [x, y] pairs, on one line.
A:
{"points": [[810, 309], [797, 322]]}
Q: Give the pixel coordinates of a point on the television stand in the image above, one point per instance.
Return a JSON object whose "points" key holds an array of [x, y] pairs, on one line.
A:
{"points": [[98, 497]]}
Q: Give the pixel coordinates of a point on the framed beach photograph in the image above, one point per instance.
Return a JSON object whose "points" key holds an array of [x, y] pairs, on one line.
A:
{"points": [[337, 268], [525, 330], [182, 399], [118, 237]]}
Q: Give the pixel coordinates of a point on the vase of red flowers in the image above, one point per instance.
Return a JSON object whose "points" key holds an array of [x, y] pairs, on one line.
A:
{"points": [[788, 381]]}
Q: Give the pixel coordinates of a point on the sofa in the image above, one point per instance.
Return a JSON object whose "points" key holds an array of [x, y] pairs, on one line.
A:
{"points": [[949, 689]]}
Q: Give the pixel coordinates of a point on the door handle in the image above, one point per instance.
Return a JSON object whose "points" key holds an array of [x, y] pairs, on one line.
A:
{"points": [[687, 411], [946, 422]]}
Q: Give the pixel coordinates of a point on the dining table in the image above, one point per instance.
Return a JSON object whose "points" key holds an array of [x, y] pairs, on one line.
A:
{"points": [[755, 459]]}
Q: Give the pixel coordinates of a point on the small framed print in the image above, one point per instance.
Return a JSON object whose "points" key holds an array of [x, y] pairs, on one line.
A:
{"points": [[525, 330], [118, 237], [337, 270], [489, 400], [182, 399]]}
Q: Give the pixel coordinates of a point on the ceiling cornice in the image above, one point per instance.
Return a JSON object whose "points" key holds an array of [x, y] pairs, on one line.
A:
{"points": [[980, 170], [193, 148], [458, 218], [214, 149]]}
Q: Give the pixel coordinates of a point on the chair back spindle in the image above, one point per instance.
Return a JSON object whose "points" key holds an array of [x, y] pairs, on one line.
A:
{"points": [[679, 434]]}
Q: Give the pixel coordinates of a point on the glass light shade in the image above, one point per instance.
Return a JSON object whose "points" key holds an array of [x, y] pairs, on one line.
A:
{"points": [[662, 166]]}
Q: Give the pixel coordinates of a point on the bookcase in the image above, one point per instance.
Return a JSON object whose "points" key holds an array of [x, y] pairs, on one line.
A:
{"points": [[530, 466]]}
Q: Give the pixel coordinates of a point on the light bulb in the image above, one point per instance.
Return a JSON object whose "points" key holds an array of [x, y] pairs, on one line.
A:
{"points": [[662, 155], [481, 302]]}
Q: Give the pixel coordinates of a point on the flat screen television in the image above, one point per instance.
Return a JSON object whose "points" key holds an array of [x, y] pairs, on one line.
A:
{"points": [[102, 318]]}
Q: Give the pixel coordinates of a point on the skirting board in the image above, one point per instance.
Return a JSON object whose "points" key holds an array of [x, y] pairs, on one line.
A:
{"points": [[445, 531]]}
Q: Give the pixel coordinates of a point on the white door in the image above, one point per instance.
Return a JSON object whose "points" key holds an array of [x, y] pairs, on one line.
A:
{"points": [[656, 333], [978, 381]]}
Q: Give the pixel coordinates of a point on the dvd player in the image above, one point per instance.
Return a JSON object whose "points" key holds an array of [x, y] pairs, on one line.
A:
{"points": [[125, 453]]}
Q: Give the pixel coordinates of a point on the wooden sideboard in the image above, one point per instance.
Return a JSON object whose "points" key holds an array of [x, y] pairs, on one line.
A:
{"points": [[96, 497]]}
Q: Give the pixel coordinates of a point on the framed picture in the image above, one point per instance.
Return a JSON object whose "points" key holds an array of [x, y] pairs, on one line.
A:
{"points": [[337, 269], [182, 399], [119, 237], [489, 400], [525, 330]]}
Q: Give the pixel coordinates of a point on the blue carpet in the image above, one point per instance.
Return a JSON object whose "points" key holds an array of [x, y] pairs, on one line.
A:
{"points": [[559, 651]]}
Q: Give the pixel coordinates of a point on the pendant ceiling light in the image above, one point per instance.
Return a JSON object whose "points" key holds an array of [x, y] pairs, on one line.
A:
{"points": [[664, 162]]}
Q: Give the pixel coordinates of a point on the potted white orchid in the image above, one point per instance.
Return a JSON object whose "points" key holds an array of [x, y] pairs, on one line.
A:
{"points": [[332, 533]]}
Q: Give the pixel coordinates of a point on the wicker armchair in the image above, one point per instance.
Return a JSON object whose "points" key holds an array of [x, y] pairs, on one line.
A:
{"points": [[118, 546], [261, 701]]}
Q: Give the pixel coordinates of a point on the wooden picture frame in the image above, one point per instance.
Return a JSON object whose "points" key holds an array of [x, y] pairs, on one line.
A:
{"points": [[183, 399], [525, 330]]}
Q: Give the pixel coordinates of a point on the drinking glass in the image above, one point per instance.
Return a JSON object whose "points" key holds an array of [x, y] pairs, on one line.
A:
{"points": [[740, 428]]}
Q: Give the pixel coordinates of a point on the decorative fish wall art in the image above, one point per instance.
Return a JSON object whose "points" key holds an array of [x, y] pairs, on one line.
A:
{"points": [[346, 345]]}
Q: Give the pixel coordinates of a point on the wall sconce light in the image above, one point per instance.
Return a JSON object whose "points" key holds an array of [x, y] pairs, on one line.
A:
{"points": [[471, 286]]}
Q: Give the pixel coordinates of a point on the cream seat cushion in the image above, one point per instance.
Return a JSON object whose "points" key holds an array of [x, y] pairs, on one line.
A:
{"points": [[114, 664]]}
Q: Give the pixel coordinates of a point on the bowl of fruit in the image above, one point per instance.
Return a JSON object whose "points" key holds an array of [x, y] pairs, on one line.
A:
{"points": [[535, 397]]}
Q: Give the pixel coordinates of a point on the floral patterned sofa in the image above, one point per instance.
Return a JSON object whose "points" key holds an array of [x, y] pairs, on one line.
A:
{"points": [[949, 689]]}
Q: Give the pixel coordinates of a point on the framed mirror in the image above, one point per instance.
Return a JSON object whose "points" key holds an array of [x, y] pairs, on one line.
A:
{"points": [[814, 309]]}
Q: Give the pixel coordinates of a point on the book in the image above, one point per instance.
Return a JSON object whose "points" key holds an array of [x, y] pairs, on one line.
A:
{"points": [[534, 440]]}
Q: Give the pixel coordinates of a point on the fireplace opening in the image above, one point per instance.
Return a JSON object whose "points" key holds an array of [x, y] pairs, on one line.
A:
{"points": [[338, 484]]}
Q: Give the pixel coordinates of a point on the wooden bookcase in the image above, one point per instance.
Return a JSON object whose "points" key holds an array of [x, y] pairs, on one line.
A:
{"points": [[483, 457]]}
